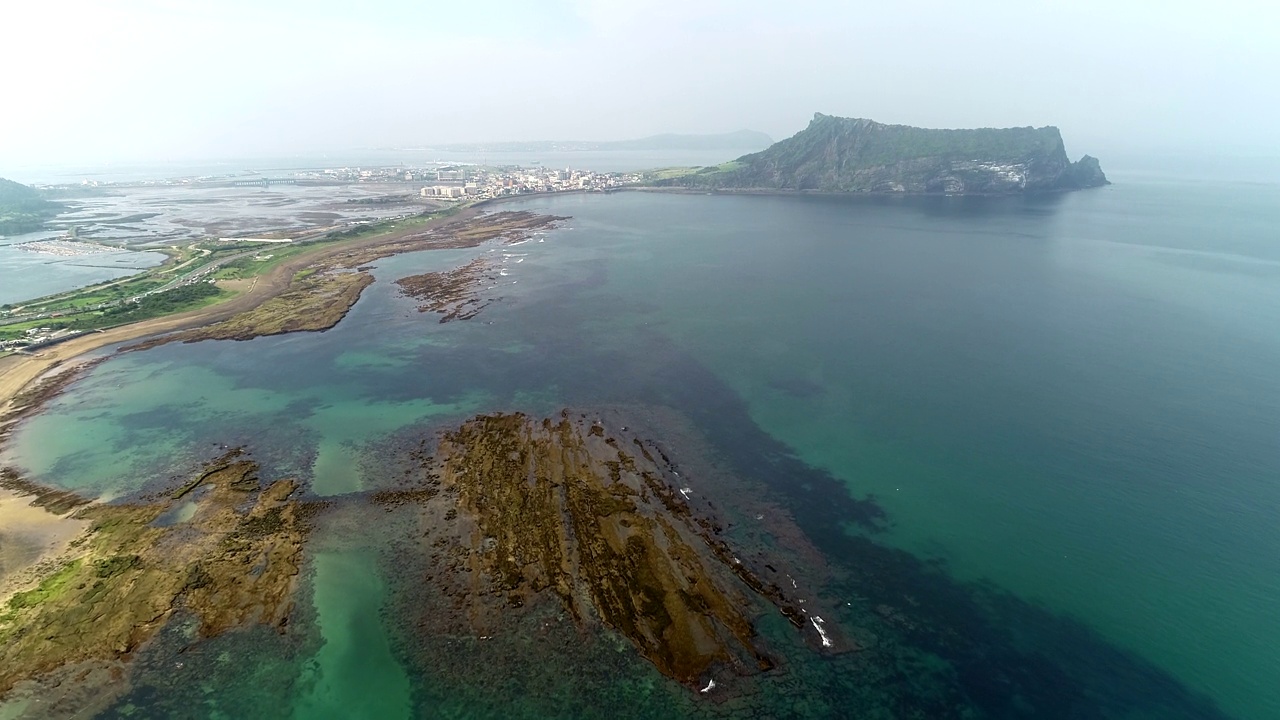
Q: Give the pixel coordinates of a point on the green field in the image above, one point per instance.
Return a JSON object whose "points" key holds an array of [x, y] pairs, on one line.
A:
{"points": [[179, 299]]}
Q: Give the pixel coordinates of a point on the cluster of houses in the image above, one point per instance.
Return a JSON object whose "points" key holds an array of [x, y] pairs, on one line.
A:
{"points": [[38, 337], [479, 183]]}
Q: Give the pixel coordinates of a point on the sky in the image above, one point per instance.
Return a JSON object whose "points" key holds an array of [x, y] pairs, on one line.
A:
{"points": [[133, 80]]}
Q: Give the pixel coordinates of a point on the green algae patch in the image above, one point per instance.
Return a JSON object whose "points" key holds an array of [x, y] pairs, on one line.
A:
{"points": [[50, 588], [235, 562]]}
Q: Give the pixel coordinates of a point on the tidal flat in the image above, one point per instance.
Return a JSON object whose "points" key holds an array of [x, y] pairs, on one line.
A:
{"points": [[510, 522], [139, 218], [926, 423]]}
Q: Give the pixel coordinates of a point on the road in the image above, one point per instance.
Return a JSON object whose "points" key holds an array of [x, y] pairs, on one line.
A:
{"points": [[200, 273], [206, 270]]}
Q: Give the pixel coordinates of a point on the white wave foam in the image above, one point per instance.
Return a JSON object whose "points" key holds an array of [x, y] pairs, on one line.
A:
{"points": [[817, 624]]}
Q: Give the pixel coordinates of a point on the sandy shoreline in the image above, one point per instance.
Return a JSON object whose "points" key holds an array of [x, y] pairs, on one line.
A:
{"points": [[19, 372], [30, 536]]}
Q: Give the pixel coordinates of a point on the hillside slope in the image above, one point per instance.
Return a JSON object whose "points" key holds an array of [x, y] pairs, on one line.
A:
{"points": [[22, 209], [856, 155]]}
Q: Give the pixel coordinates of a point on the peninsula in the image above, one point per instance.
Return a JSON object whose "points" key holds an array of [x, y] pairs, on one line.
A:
{"points": [[848, 155]]}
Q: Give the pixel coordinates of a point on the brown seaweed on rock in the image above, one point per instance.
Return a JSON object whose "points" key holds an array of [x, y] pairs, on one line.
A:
{"points": [[527, 509], [235, 561], [452, 293]]}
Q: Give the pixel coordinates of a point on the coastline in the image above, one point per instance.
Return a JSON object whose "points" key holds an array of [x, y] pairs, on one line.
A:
{"points": [[31, 537], [776, 192], [787, 192], [19, 373]]}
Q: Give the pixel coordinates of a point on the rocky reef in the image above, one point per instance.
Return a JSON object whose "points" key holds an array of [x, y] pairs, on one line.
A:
{"points": [[222, 548], [559, 530], [451, 293], [522, 511], [848, 155], [455, 294]]}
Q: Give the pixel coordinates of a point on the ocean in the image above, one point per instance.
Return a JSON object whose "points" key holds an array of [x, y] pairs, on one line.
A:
{"points": [[1034, 439]]}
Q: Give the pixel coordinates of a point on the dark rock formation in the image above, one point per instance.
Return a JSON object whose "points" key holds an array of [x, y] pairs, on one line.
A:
{"points": [[233, 563], [855, 155], [526, 510]]}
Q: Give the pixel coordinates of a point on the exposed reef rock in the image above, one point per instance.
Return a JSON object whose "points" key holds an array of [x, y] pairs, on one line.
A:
{"points": [[455, 294], [233, 561], [534, 529], [452, 293], [525, 510], [838, 154], [56, 502], [318, 298]]}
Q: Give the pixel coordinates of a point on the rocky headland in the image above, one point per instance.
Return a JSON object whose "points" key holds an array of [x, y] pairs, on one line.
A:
{"points": [[23, 209], [854, 155]]}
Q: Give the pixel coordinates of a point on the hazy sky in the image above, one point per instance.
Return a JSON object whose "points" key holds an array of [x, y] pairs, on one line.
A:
{"points": [[93, 80]]}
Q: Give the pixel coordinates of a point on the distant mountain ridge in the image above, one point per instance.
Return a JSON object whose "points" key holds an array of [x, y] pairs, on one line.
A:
{"points": [[835, 154], [733, 141], [15, 194]]}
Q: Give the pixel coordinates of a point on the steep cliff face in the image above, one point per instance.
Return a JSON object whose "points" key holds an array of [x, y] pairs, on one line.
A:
{"points": [[856, 155]]}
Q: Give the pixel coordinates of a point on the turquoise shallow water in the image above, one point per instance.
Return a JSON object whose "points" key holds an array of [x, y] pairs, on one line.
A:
{"points": [[356, 675], [1048, 423]]}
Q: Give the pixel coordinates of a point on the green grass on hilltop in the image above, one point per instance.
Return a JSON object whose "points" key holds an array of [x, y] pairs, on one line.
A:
{"points": [[669, 173]]}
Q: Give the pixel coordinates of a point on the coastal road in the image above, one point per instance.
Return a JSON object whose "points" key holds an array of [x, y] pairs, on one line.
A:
{"points": [[199, 273], [212, 267]]}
